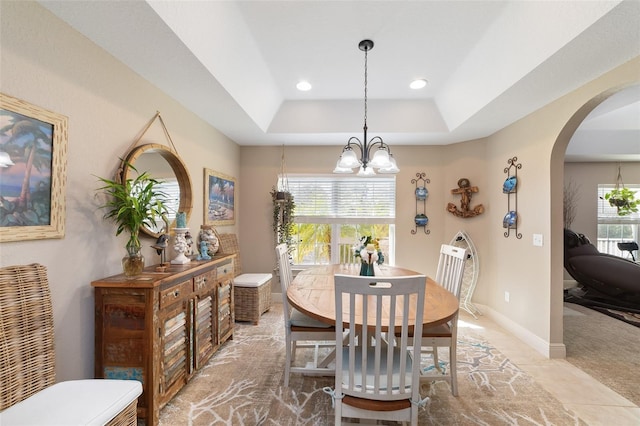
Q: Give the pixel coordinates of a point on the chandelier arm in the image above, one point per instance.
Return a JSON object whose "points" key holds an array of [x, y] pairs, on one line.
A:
{"points": [[353, 140], [377, 140]]}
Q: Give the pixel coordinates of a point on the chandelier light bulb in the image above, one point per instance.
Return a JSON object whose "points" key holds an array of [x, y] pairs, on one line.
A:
{"points": [[349, 159], [392, 169], [366, 171], [380, 159], [339, 169]]}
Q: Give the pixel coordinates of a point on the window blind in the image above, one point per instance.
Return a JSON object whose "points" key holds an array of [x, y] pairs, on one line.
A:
{"points": [[350, 199]]}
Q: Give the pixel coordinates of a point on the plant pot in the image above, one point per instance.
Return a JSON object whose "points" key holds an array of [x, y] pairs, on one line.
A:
{"points": [[133, 263], [282, 196], [618, 202]]}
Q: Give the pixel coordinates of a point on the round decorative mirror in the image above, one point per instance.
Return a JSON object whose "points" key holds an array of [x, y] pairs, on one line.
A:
{"points": [[164, 165]]}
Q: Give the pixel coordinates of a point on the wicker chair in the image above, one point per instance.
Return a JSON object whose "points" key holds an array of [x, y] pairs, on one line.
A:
{"points": [[251, 292], [28, 392]]}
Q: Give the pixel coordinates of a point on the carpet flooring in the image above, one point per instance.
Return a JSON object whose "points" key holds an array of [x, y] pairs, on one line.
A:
{"points": [[605, 348], [242, 384]]}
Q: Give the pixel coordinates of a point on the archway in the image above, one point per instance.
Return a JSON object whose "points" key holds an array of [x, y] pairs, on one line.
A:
{"points": [[556, 205]]}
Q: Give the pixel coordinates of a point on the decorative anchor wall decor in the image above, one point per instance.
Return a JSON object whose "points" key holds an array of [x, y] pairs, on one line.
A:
{"points": [[465, 190], [421, 191]]}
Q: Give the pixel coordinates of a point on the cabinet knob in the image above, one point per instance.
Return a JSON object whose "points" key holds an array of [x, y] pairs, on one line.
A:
{"points": [[176, 293]]}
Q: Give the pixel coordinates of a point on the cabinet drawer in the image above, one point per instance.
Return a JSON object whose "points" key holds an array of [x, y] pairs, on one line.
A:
{"points": [[174, 293], [225, 271], [204, 281]]}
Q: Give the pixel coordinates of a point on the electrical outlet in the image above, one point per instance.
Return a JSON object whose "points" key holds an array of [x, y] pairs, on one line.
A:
{"points": [[506, 296], [537, 240]]}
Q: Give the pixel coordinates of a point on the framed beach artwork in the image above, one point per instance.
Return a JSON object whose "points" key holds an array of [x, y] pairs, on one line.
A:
{"points": [[219, 199], [33, 162]]}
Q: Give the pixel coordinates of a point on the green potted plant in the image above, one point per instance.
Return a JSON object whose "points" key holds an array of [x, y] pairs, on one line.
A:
{"points": [[283, 214], [623, 199], [132, 204]]}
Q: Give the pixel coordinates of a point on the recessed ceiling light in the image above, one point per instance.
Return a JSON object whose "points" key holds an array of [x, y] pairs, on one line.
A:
{"points": [[418, 84], [303, 86]]}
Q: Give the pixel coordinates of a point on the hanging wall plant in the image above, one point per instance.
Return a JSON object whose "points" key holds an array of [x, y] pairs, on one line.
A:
{"points": [[623, 199], [283, 214]]}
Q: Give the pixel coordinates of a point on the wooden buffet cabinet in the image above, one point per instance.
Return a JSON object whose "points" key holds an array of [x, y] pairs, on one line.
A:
{"points": [[161, 327]]}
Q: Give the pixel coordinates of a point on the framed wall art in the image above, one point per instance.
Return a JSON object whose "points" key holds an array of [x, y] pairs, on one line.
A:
{"points": [[33, 163], [219, 199]]}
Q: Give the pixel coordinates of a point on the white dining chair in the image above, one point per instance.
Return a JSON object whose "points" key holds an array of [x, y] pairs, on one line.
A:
{"points": [[301, 329], [449, 275], [377, 379]]}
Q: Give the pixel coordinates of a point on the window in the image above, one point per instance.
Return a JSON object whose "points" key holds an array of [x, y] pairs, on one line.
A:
{"points": [[333, 213], [171, 189], [613, 229]]}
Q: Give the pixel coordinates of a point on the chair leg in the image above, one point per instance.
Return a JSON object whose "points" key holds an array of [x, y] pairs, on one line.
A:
{"points": [[436, 363], [453, 367], [453, 359], [288, 361]]}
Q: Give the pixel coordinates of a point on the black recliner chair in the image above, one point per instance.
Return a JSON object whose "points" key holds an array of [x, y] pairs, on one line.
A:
{"points": [[612, 280]]}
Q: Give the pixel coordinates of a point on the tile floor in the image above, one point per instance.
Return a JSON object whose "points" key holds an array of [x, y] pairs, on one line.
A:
{"points": [[595, 403]]}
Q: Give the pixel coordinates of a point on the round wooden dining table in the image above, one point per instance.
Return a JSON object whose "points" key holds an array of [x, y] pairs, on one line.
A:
{"points": [[312, 292]]}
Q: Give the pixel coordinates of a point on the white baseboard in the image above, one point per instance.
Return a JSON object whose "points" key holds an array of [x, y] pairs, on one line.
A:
{"points": [[549, 350]]}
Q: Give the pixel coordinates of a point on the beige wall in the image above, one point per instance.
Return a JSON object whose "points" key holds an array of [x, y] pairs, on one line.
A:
{"points": [[47, 63], [443, 167]]}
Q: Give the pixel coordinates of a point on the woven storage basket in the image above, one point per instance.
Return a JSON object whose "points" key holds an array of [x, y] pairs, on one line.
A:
{"points": [[249, 302], [127, 417]]}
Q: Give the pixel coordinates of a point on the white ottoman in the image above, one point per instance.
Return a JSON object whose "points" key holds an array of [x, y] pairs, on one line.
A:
{"points": [[252, 296], [94, 402]]}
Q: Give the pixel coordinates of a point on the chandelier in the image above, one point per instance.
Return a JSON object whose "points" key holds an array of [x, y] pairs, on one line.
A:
{"points": [[369, 160]]}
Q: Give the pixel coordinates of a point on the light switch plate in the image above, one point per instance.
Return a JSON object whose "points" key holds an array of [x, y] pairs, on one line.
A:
{"points": [[537, 240]]}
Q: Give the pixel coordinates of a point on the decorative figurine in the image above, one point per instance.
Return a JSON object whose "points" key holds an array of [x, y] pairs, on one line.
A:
{"points": [[203, 251], [161, 246]]}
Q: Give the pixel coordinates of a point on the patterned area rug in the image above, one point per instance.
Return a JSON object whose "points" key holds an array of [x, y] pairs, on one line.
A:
{"points": [[628, 315], [243, 385]]}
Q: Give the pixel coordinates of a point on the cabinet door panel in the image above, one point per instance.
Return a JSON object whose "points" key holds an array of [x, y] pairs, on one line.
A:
{"points": [[205, 328], [174, 335], [225, 311]]}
